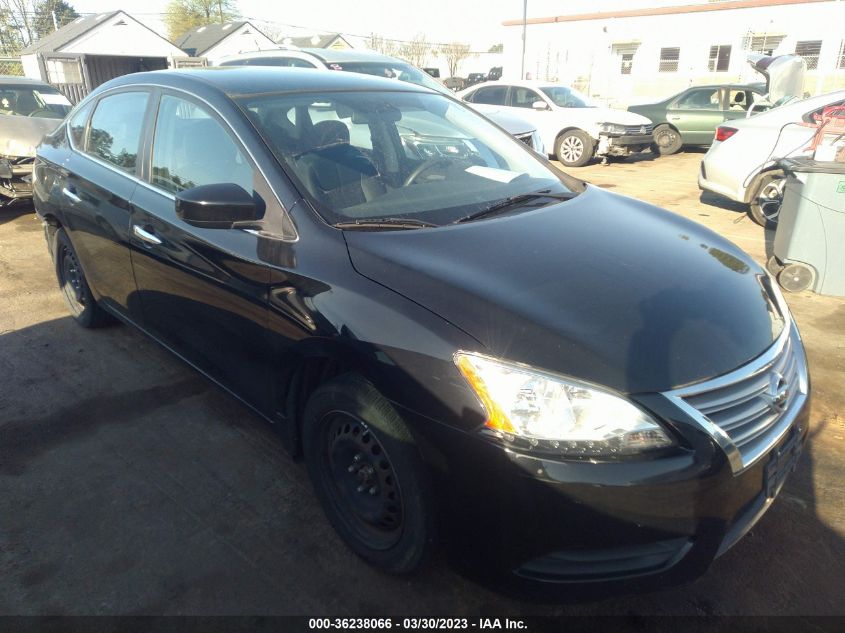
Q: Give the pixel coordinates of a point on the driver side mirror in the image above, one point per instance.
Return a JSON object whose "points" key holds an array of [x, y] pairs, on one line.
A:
{"points": [[540, 105], [217, 206]]}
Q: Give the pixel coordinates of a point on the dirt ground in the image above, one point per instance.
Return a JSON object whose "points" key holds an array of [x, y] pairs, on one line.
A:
{"points": [[130, 485]]}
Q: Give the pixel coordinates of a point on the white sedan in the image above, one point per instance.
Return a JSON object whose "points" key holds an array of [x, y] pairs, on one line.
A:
{"points": [[742, 162], [569, 125]]}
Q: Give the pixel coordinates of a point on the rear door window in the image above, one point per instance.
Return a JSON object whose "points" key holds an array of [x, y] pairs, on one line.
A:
{"points": [[493, 95], [115, 130]]}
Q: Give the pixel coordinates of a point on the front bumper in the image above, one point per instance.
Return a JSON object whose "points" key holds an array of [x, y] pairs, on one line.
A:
{"points": [[15, 179], [541, 523], [624, 145]]}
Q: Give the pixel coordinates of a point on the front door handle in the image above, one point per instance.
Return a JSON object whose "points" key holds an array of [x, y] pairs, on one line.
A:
{"points": [[145, 236], [71, 195], [674, 118]]}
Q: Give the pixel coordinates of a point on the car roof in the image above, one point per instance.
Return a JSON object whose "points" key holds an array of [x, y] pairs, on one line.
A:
{"points": [[325, 55], [249, 80], [10, 80]]}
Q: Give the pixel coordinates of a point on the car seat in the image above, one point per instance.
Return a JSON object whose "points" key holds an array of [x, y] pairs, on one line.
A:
{"points": [[335, 172]]}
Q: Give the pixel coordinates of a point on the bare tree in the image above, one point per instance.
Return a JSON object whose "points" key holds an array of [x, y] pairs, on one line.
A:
{"points": [[24, 21], [454, 53], [383, 45], [417, 50], [184, 15]]}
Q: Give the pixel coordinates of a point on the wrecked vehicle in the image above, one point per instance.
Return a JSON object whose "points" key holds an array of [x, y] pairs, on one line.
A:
{"points": [[29, 109]]}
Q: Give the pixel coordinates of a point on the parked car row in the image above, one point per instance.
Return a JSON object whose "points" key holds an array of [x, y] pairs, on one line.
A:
{"points": [[429, 312]]}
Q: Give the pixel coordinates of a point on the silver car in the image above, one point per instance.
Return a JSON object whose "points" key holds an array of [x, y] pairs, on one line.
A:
{"points": [[29, 109]]}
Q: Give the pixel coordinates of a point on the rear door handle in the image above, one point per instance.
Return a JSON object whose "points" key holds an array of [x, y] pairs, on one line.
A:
{"points": [[674, 118], [71, 195], [145, 236]]}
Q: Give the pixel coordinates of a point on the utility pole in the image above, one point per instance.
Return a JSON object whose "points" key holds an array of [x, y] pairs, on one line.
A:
{"points": [[524, 29]]}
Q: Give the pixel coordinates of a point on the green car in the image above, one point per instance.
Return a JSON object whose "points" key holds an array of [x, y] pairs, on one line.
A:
{"points": [[692, 116]]}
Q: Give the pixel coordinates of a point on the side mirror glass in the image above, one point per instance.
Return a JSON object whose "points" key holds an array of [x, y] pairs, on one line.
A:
{"points": [[218, 206], [540, 105]]}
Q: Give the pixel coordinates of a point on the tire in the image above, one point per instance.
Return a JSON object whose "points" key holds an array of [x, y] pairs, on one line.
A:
{"points": [[667, 140], [764, 207], [574, 148], [368, 474], [75, 290], [774, 266]]}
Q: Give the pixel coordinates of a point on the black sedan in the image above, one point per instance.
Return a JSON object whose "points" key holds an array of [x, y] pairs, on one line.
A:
{"points": [[468, 348]]}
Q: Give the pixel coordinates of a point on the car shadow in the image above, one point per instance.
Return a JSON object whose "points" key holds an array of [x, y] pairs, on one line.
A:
{"points": [[12, 212]]}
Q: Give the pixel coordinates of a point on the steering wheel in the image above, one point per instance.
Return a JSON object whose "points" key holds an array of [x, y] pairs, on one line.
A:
{"points": [[424, 167]]}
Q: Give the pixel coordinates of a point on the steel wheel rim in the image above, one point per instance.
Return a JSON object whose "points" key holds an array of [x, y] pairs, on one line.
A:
{"points": [[361, 481], [666, 138], [572, 148], [72, 280]]}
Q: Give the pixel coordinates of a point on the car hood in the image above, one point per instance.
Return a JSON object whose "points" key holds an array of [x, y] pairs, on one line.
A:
{"points": [[511, 123], [603, 288], [19, 135], [606, 115]]}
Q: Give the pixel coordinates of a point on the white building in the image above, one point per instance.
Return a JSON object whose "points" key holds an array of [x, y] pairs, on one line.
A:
{"points": [[215, 41], [639, 53], [93, 49]]}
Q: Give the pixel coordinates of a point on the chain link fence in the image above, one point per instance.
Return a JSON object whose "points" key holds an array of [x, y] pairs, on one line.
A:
{"points": [[11, 66]]}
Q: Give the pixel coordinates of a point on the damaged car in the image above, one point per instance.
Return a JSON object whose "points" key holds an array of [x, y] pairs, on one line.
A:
{"points": [[29, 109], [573, 128]]}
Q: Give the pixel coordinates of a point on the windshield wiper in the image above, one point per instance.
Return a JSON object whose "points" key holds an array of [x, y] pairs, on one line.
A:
{"points": [[513, 201], [384, 223]]}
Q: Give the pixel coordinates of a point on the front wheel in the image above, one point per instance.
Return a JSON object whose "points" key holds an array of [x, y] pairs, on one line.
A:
{"points": [[764, 207], [368, 474], [574, 148]]}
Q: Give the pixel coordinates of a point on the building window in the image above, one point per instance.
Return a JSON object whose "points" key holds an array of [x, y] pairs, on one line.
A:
{"points": [[764, 44], [809, 50], [720, 58], [669, 60], [627, 63], [841, 64]]}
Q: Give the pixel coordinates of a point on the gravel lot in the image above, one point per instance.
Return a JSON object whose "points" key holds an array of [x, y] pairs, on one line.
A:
{"points": [[130, 485]]}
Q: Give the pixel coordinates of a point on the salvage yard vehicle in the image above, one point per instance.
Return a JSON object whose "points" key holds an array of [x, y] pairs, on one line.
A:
{"points": [[372, 63], [569, 124], [741, 164], [29, 109], [563, 386], [692, 116]]}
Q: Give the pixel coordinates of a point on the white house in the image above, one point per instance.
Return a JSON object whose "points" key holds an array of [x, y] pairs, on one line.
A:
{"points": [[215, 41], [642, 52], [93, 49]]}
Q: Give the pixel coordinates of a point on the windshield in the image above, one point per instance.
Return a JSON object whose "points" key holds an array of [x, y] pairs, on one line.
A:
{"points": [[413, 156], [566, 97], [392, 70], [35, 102]]}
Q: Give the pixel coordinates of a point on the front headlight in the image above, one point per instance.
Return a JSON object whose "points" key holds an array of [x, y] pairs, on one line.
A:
{"points": [[557, 414], [612, 128]]}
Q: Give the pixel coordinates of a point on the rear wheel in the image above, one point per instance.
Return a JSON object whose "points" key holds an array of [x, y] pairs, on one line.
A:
{"points": [[764, 207], [75, 290], [574, 148], [368, 474], [667, 140]]}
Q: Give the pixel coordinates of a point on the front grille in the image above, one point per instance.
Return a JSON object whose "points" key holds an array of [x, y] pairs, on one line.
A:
{"points": [[528, 139], [750, 409], [636, 130]]}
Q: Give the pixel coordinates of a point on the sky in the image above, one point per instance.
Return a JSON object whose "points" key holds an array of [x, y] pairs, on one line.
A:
{"points": [[477, 22]]}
